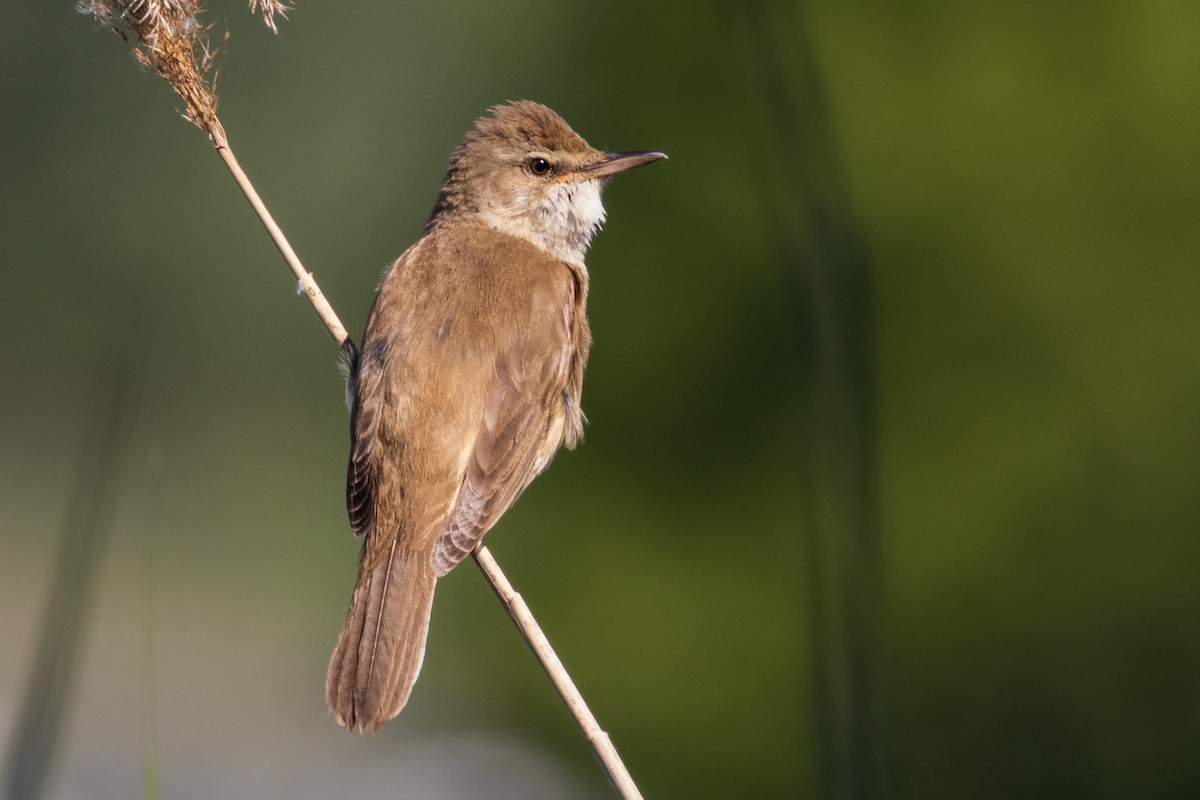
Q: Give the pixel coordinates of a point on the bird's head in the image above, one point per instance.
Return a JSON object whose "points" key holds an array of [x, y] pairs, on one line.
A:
{"points": [[523, 171]]}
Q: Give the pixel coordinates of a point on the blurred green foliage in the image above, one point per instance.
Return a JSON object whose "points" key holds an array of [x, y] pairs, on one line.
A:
{"points": [[1026, 180]]}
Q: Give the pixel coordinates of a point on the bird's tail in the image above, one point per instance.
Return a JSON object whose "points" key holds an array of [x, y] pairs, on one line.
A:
{"points": [[382, 643]]}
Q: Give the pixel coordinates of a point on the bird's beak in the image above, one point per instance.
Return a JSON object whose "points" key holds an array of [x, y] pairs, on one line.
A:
{"points": [[612, 163]]}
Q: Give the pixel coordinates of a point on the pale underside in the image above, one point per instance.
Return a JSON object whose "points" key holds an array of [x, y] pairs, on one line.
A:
{"points": [[562, 223]]}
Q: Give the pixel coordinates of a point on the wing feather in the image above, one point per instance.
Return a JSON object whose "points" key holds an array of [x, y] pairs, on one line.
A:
{"points": [[522, 427], [364, 427]]}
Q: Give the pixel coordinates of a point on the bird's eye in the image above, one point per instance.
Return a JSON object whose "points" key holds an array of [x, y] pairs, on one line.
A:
{"points": [[539, 166]]}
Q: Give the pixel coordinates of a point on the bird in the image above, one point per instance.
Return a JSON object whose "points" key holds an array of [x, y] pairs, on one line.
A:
{"points": [[467, 383]]}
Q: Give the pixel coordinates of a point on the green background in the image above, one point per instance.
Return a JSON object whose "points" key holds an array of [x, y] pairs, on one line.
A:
{"points": [[1020, 185]]}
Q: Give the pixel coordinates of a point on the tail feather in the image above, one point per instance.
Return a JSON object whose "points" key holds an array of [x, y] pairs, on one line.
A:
{"points": [[382, 643]]}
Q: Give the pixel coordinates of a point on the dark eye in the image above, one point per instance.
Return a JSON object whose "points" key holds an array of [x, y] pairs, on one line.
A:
{"points": [[539, 166]]}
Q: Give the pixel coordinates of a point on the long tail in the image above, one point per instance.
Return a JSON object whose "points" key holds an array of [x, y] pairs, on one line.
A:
{"points": [[382, 644]]}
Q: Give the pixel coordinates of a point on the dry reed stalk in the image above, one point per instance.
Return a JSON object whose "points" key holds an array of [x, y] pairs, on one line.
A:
{"points": [[596, 736], [166, 36]]}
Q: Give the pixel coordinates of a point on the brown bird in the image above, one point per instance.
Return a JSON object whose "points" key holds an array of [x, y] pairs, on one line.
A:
{"points": [[468, 381]]}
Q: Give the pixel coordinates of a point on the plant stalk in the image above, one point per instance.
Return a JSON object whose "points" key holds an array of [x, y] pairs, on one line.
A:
{"points": [[597, 737]]}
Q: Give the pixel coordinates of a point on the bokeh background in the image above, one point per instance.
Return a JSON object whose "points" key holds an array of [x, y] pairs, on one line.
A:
{"points": [[890, 486]]}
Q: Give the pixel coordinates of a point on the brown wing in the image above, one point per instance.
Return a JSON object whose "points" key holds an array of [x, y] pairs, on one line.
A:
{"points": [[521, 430], [364, 424]]}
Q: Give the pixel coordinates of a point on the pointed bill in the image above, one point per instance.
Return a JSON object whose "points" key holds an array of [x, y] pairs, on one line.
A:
{"points": [[612, 163]]}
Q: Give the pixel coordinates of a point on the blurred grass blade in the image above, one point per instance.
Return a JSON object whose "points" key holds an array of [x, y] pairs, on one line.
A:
{"points": [[827, 265], [86, 531]]}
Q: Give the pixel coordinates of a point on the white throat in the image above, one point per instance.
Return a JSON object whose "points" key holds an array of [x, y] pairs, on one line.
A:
{"points": [[562, 223]]}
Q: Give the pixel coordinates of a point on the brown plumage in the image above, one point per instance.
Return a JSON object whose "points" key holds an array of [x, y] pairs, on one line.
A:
{"points": [[468, 381]]}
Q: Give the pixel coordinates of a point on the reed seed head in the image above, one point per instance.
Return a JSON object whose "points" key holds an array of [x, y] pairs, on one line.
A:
{"points": [[268, 9], [168, 37]]}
